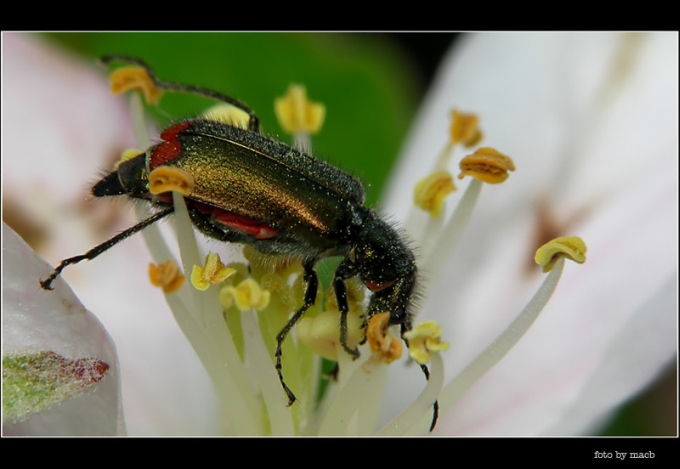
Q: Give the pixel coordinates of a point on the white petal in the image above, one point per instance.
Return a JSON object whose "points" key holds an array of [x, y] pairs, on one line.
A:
{"points": [[35, 320], [589, 145]]}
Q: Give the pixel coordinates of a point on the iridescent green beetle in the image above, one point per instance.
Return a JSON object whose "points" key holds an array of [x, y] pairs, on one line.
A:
{"points": [[252, 189]]}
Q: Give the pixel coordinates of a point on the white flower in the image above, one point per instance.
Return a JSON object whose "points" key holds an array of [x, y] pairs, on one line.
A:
{"points": [[591, 121], [544, 100]]}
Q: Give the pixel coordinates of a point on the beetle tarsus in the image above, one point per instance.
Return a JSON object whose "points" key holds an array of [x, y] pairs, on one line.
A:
{"points": [[47, 283], [103, 247]]}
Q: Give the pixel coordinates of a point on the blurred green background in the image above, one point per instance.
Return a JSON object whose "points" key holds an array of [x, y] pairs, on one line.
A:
{"points": [[371, 85]]}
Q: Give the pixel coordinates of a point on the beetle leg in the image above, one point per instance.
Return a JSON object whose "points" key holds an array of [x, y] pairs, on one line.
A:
{"points": [[405, 327], [312, 282], [345, 270], [253, 122], [103, 247], [364, 325]]}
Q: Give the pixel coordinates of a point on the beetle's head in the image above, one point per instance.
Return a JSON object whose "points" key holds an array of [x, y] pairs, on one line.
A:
{"points": [[387, 267], [130, 178]]}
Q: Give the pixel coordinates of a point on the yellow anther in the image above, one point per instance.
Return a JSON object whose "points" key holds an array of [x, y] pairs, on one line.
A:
{"points": [[166, 276], [486, 165], [228, 114], [167, 179], [322, 336], [127, 154], [246, 296], [430, 192], [423, 339], [571, 247], [384, 345], [464, 129], [135, 78], [297, 114], [214, 271]]}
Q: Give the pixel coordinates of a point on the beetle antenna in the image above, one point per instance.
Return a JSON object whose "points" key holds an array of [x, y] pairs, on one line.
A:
{"points": [[103, 247], [253, 121]]}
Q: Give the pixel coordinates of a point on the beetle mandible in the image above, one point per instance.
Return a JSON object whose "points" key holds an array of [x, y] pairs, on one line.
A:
{"points": [[248, 190]]}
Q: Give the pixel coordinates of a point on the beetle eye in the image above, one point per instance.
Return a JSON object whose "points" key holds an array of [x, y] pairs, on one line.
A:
{"points": [[398, 316]]}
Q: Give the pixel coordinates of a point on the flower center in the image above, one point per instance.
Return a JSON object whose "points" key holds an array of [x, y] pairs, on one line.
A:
{"points": [[235, 329]]}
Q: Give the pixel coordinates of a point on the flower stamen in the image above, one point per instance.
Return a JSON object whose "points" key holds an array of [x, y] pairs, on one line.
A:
{"points": [[571, 247], [423, 339], [228, 114], [487, 165], [167, 179], [213, 271], [465, 129], [296, 113], [430, 192], [322, 336], [298, 116], [246, 296], [135, 78], [446, 239], [126, 155], [166, 276], [385, 346], [495, 351]]}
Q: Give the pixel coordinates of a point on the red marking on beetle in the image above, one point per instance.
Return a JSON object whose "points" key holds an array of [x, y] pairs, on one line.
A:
{"points": [[250, 226], [164, 152], [377, 286], [172, 132], [165, 198], [170, 149], [239, 222], [203, 208]]}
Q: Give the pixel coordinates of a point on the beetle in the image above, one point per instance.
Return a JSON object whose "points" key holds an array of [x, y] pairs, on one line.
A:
{"points": [[252, 189]]}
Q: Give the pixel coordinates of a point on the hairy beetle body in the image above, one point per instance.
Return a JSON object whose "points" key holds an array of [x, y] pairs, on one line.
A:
{"points": [[268, 182], [252, 189]]}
